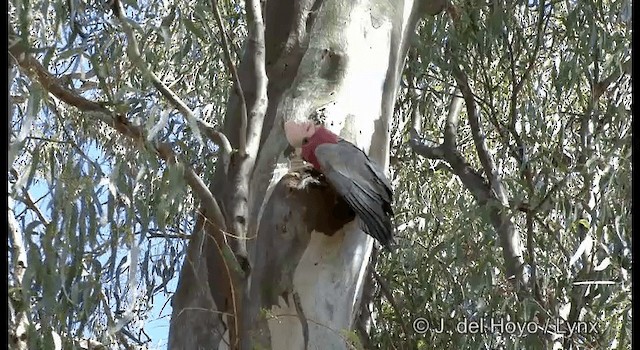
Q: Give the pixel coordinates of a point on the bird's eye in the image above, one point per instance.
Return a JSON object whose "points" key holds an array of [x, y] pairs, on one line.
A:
{"points": [[305, 141]]}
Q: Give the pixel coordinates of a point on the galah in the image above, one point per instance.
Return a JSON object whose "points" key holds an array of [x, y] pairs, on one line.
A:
{"points": [[355, 177]]}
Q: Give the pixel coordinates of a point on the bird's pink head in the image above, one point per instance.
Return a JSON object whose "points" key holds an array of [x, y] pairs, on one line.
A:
{"points": [[321, 136], [308, 136]]}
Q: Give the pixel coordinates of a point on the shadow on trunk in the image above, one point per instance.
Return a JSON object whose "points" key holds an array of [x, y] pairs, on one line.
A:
{"points": [[301, 202]]}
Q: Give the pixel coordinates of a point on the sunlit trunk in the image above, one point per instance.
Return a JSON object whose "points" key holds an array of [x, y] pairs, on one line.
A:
{"points": [[340, 59]]}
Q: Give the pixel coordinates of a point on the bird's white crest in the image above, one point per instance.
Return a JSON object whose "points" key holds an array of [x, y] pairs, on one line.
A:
{"points": [[296, 131]]}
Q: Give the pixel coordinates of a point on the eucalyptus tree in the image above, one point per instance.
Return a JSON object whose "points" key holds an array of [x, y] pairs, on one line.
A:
{"points": [[121, 123], [117, 116], [513, 122]]}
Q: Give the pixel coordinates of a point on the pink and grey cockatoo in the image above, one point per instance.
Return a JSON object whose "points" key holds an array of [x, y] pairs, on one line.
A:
{"points": [[355, 177]]}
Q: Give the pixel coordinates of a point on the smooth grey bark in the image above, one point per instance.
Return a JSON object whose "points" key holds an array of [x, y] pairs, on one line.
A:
{"points": [[308, 265]]}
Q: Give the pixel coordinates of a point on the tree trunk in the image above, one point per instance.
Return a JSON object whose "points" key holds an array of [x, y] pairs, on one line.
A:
{"points": [[342, 58]]}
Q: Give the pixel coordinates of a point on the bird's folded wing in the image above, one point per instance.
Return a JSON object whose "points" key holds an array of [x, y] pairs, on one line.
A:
{"points": [[360, 182]]}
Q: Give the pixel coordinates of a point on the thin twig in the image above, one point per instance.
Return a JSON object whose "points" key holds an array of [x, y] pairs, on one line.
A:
{"points": [[28, 201], [168, 235], [423, 147], [45, 139]]}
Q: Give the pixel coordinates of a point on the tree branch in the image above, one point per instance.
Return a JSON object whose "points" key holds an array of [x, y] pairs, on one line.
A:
{"points": [[451, 125], [472, 180], [600, 87], [256, 42], [35, 70], [425, 148], [242, 147], [476, 183], [237, 203], [19, 322], [30, 204], [169, 235], [479, 137], [136, 58]]}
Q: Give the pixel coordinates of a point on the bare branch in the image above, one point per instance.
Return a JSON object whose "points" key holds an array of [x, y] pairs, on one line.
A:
{"points": [[237, 205], [476, 183], [28, 201], [425, 148], [34, 69], [448, 152], [600, 87], [258, 108], [242, 147], [169, 235], [451, 126], [479, 137]]}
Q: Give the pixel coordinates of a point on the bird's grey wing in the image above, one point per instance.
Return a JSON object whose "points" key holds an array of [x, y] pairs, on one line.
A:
{"points": [[363, 186]]}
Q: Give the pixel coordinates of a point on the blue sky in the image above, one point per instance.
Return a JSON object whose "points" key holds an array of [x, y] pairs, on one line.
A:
{"points": [[157, 324]]}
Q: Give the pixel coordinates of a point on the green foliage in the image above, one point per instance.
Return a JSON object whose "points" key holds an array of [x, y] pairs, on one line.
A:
{"points": [[104, 222], [450, 266], [98, 215], [352, 339]]}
